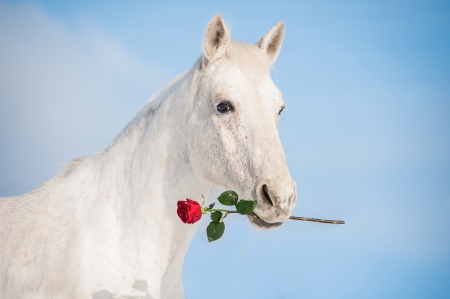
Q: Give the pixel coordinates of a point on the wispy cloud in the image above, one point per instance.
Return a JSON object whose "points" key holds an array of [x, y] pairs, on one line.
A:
{"points": [[64, 92]]}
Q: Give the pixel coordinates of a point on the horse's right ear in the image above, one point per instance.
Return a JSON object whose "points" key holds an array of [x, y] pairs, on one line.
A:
{"points": [[216, 40]]}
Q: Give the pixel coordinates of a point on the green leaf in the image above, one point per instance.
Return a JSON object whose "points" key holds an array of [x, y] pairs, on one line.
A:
{"points": [[215, 230], [245, 207], [228, 198], [216, 215]]}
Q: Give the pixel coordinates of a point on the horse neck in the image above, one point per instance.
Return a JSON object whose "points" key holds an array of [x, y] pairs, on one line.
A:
{"points": [[147, 170]]}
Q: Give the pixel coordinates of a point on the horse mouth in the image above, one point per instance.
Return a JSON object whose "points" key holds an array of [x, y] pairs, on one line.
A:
{"points": [[259, 223]]}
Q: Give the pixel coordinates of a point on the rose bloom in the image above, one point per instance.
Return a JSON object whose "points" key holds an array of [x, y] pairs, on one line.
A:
{"points": [[189, 211]]}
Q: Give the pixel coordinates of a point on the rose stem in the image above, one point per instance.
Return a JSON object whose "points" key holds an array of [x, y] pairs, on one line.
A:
{"points": [[317, 220], [292, 217], [220, 210]]}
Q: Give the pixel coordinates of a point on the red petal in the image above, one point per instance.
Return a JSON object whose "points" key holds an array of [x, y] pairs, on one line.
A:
{"points": [[182, 211]]}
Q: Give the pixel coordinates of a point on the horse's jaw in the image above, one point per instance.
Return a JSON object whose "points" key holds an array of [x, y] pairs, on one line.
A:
{"points": [[259, 223]]}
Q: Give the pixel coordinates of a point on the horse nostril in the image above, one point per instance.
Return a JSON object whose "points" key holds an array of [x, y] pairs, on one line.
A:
{"points": [[266, 195]]}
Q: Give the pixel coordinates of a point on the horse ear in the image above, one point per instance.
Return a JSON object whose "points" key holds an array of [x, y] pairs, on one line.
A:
{"points": [[217, 37], [272, 40]]}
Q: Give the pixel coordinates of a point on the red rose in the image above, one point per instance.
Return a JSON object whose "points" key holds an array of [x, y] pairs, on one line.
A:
{"points": [[189, 211]]}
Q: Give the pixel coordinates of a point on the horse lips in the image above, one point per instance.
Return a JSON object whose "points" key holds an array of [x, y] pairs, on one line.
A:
{"points": [[189, 211]]}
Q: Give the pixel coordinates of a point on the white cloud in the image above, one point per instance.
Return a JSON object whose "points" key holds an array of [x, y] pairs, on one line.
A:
{"points": [[63, 93]]}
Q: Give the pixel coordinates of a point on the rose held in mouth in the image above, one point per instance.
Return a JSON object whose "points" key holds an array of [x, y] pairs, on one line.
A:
{"points": [[189, 211]]}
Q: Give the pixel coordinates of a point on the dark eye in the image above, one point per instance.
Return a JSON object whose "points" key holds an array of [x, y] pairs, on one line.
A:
{"points": [[224, 107], [281, 110]]}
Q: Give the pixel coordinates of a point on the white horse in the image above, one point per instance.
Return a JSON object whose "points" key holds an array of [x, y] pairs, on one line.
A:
{"points": [[107, 227]]}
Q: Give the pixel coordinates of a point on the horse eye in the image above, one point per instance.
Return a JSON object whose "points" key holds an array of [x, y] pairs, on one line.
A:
{"points": [[281, 110], [223, 107]]}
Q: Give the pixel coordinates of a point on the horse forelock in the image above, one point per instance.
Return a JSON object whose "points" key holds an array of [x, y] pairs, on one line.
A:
{"points": [[250, 59]]}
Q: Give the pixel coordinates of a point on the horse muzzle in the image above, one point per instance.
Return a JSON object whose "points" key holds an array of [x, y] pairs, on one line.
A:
{"points": [[275, 202]]}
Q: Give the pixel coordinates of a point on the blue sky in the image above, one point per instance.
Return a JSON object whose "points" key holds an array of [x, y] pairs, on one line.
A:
{"points": [[366, 131]]}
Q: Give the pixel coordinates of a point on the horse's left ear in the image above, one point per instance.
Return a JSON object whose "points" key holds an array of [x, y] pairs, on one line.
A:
{"points": [[272, 40]]}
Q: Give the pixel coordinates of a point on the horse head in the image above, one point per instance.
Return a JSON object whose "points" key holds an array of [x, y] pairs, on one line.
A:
{"points": [[235, 118]]}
